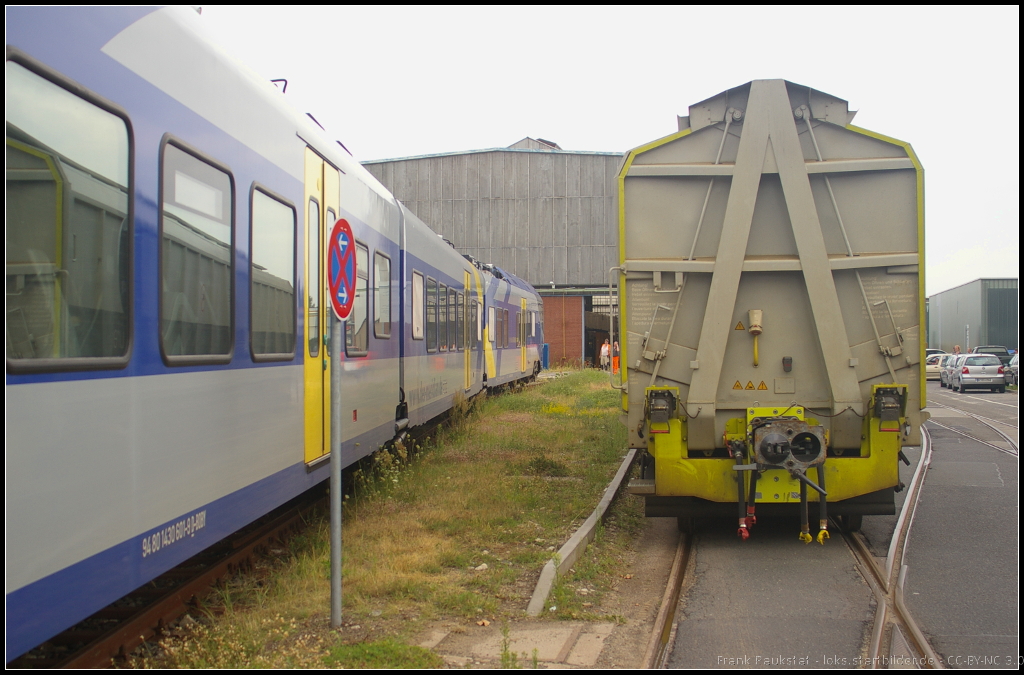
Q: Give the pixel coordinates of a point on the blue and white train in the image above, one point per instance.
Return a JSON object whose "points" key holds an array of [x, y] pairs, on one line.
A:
{"points": [[168, 367]]}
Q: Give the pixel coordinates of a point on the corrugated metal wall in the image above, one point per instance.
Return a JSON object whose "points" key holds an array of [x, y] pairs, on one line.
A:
{"points": [[982, 312], [547, 216], [1001, 310]]}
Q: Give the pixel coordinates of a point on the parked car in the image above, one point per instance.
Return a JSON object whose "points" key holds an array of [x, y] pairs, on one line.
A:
{"points": [[932, 368], [1002, 352], [946, 368], [979, 371], [1010, 371], [931, 351]]}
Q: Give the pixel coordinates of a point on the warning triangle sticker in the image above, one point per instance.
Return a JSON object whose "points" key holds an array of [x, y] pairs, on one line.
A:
{"points": [[750, 385], [739, 326], [737, 385], [762, 386]]}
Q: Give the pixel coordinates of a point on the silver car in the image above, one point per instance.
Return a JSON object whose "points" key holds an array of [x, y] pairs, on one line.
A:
{"points": [[946, 362], [979, 371]]}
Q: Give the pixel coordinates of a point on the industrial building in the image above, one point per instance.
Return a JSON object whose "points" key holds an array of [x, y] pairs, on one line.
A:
{"points": [[543, 213], [982, 312]]}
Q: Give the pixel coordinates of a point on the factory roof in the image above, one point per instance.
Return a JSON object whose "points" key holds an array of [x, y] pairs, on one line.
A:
{"points": [[535, 145]]}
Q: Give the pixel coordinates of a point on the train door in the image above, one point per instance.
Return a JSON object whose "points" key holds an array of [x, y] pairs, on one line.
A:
{"points": [[322, 197]]}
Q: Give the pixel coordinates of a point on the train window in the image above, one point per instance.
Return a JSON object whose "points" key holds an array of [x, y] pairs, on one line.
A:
{"points": [[507, 328], [491, 325], [417, 306], [431, 315], [313, 278], [382, 303], [519, 327], [533, 324], [356, 325], [68, 228], [196, 257], [452, 320], [478, 320], [460, 321], [442, 317], [272, 277]]}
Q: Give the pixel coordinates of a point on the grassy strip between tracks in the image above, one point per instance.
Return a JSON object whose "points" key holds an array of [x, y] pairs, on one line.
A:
{"points": [[454, 536]]}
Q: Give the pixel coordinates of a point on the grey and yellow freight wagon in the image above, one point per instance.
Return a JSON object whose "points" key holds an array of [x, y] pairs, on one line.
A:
{"points": [[771, 284]]}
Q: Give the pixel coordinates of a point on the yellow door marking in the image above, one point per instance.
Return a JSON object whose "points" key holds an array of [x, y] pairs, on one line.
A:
{"points": [[750, 385], [738, 385], [762, 386], [739, 326]]}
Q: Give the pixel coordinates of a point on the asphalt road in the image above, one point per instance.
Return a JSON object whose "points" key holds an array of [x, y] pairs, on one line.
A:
{"points": [[963, 553]]}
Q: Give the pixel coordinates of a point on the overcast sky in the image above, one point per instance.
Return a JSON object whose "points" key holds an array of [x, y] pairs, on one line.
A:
{"points": [[394, 82]]}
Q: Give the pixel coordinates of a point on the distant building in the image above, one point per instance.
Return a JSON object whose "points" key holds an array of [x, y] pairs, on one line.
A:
{"points": [[545, 214], [982, 312]]}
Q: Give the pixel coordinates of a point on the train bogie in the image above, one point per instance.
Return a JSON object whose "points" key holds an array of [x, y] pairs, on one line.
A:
{"points": [[771, 258]]}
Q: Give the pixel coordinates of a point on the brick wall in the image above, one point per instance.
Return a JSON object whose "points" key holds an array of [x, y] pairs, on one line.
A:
{"points": [[563, 328]]}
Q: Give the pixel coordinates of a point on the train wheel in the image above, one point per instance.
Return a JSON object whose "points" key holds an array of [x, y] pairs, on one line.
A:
{"points": [[852, 523], [685, 524]]}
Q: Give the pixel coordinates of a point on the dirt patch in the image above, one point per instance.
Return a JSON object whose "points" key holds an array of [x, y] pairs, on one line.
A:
{"points": [[637, 599]]}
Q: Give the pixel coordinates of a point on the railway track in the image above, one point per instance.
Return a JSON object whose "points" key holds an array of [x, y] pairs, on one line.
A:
{"points": [[896, 639], [987, 421]]}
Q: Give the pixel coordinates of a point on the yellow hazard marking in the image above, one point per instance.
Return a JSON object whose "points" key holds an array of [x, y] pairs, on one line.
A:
{"points": [[739, 326], [762, 386], [737, 385], [750, 385]]}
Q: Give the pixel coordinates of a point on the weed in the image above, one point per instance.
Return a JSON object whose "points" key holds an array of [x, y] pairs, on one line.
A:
{"points": [[509, 660], [381, 654]]}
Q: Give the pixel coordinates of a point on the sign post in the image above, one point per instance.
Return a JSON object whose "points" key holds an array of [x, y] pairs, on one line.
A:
{"points": [[341, 281]]}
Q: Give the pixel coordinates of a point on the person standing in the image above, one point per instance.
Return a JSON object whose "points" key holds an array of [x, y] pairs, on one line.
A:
{"points": [[615, 356], [606, 353]]}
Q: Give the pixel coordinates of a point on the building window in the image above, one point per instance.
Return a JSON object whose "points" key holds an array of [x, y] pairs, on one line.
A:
{"points": [[68, 227], [272, 280], [197, 257]]}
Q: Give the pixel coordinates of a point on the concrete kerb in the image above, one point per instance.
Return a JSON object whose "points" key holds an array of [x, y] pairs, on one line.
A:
{"points": [[572, 549]]}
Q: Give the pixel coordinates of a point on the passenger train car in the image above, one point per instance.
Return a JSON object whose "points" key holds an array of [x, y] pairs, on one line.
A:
{"points": [[168, 367], [771, 268]]}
